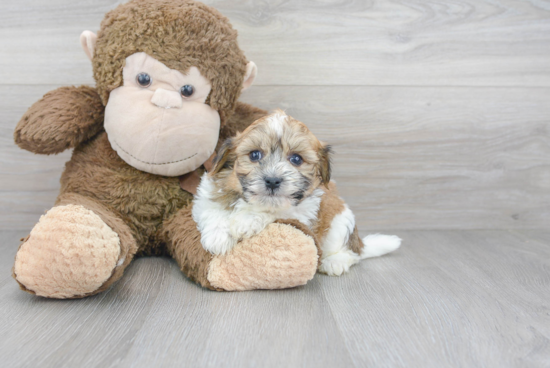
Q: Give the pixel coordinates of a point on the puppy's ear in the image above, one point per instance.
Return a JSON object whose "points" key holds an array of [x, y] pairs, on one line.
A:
{"points": [[325, 157], [224, 156]]}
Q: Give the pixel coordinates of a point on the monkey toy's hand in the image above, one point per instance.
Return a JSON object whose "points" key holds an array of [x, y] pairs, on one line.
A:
{"points": [[60, 120], [283, 255]]}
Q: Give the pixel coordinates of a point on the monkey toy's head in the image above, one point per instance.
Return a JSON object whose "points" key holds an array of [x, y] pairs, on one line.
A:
{"points": [[169, 73]]}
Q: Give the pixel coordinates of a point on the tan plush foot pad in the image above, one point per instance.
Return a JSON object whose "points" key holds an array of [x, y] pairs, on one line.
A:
{"points": [[280, 257], [70, 252]]}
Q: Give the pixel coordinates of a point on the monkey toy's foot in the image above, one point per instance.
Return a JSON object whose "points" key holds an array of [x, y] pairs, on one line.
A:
{"points": [[282, 256], [71, 252]]}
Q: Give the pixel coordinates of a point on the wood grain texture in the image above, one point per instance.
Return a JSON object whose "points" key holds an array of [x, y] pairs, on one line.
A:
{"points": [[451, 296], [445, 299], [331, 42], [413, 158], [378, 80]]}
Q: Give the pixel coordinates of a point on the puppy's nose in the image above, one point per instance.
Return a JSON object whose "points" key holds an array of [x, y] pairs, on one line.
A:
{"points": [[273, 183], [167, 99]]}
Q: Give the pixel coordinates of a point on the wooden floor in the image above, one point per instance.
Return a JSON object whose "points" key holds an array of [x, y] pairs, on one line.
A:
{"points": [[445, 299]]}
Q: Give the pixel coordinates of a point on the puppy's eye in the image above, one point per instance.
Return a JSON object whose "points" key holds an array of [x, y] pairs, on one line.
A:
{"points": [[296, 159], [187, 90], [255, 156], [144, 79]]}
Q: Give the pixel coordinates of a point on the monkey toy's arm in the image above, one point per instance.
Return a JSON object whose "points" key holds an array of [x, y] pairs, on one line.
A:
{"points": [[61, 119]]}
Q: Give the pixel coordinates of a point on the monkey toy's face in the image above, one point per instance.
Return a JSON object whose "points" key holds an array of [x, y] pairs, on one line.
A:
{"points": [[158, 120], [169, 73]]}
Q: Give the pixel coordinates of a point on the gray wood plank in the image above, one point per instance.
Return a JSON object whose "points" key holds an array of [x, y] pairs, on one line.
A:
{"points": [[541, 237], [445, 299], [289, 328], [82, 332], [443, 42], [156, 317], [416, 157]]}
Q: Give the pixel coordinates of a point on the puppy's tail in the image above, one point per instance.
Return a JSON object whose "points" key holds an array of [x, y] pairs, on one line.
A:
{"points": [[378, 244]]}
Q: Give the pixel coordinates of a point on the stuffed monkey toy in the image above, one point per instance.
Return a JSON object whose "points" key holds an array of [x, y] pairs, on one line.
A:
{"points": [[168, 76]]}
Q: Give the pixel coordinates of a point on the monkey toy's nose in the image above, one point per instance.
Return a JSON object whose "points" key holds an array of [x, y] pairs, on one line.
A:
{"points": [[273, 183], [167, 99]]}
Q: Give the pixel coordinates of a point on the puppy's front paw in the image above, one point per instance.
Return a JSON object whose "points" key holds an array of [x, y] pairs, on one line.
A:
{"points": [[217, 241], [337, 264], [244, 227]]}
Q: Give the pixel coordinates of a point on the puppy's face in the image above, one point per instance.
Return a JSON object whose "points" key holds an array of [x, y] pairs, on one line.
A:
{"points": [[275, 162]]}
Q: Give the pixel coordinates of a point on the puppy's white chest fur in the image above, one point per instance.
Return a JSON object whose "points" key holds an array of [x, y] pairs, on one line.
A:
{"points": [[222, 228]]}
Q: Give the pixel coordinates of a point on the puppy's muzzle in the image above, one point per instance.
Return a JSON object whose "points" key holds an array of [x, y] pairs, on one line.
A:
{"points": [[273, 183]]}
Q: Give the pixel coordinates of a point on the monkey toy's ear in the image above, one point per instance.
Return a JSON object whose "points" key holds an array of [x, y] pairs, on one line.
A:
{"points": [[250, 75], [88, 40]]}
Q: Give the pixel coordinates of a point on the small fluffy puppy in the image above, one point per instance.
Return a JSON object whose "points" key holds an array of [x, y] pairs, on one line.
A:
{"points": [[277, 169]]}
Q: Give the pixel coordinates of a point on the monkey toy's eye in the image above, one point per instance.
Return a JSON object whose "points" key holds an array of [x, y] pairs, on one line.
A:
{"points": [[255, 156], [296, 159], [144, 79], [187, 90]]}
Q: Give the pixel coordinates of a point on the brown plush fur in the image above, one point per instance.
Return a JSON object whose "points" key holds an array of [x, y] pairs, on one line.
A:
{"points": [[143, 200], [185, 247], [150, 213], [96, 174], [205, 39], [62, 119]]}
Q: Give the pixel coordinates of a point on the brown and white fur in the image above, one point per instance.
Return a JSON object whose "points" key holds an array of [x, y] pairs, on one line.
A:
{"points": [[288, 179]]}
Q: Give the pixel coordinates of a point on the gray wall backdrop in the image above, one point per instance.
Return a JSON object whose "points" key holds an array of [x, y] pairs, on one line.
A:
{"points": [[439, 112]]}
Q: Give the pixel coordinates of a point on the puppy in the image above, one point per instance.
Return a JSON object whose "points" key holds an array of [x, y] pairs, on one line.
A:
{"points": [[277, 169]]}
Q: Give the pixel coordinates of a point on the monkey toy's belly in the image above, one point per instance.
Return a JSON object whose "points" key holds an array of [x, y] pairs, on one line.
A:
{"points": [[144, 201]]}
